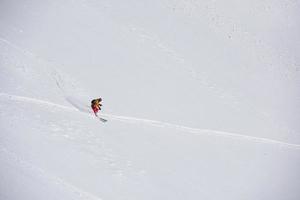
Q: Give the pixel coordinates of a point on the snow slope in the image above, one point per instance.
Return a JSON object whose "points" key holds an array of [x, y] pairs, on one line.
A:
{"points": [[201, 98]]}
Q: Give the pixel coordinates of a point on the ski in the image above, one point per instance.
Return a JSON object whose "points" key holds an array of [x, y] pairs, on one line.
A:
{"points": [[102, 119]]}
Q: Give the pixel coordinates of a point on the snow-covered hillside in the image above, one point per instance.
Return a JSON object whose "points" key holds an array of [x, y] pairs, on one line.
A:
{"points": [[201, 97]]}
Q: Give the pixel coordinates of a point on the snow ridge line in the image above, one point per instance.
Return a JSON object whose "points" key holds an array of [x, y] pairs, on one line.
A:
{"points": [[156, 123], [37, 101], [42, 174], [199, 131]]}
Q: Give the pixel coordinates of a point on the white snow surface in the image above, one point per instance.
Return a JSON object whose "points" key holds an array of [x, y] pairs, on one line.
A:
{"points": [[201, 97]]}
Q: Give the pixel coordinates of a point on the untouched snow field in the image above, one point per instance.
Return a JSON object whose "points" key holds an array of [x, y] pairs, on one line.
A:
{"points": [[202, 99]]}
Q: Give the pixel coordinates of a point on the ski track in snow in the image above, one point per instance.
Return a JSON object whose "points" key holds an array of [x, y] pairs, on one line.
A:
{"points": [[36, 101], [199, 131], [156, 123], [42, 174]]}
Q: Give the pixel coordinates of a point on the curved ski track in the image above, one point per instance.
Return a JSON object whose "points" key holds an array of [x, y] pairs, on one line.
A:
{"points": [[156, 123]]}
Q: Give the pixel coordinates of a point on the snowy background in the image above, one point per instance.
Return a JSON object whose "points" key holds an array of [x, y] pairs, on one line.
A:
{"points": [[202, 99]]}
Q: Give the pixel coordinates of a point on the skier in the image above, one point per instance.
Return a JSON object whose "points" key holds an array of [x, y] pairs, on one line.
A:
{"points": [[96, 105]]}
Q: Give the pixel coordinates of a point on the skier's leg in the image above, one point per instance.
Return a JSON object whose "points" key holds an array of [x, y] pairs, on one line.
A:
{"points": [[95, 109]]}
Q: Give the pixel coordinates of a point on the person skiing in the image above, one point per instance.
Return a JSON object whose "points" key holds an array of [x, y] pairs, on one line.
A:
{"points": [[96, 105]]}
